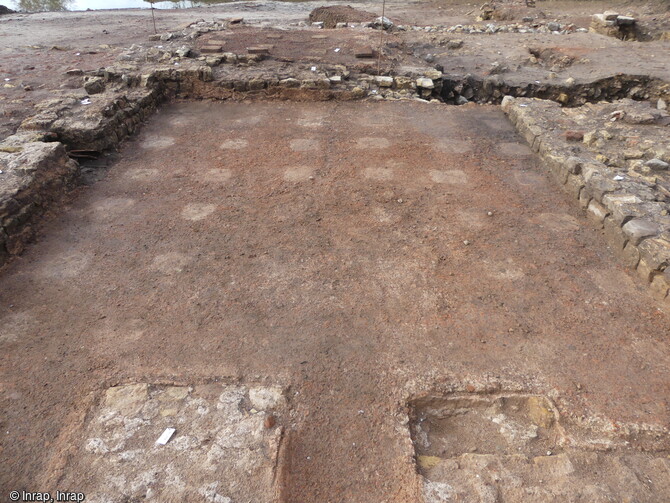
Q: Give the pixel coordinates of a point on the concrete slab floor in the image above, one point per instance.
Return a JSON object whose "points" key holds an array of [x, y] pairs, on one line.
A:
{"points": [[353, 254]]}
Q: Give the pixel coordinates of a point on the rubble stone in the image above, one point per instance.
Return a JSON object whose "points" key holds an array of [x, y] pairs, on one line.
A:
{"points": [[425, 83], [637, 229], [94, 85], [657, 164], [384, 81]]}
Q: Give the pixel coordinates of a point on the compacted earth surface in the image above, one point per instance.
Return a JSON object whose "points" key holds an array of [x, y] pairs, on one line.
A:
{"points": [[382, 300], [352, 255]]}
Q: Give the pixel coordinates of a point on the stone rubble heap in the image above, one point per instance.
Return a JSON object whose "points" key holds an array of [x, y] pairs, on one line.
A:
{"points": [[614, 25], [530, 26]]}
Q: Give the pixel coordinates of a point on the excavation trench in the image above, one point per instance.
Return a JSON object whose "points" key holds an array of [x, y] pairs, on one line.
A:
{"points": [[84, 131], [461, 90]]}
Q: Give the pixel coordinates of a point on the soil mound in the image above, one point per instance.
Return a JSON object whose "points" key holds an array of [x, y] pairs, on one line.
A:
{"points": [[334, 14]]}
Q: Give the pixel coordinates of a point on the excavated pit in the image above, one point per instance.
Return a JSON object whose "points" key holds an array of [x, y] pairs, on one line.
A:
{"points": [[514, 448], [502, 425]]}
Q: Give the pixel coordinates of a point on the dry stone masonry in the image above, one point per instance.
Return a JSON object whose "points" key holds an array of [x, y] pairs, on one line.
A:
{"points": [[613, 158]]}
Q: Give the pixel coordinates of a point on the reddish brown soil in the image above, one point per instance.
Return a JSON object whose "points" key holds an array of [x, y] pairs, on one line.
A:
{"points": [[190, 262], [335, 47]]}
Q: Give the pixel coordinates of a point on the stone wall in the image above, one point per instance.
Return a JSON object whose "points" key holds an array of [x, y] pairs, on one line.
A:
{"points": [[463, 89], [34, 175], [632, 211]]}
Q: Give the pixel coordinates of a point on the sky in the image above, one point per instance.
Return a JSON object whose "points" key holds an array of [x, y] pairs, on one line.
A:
{"points": [[107, 4]]}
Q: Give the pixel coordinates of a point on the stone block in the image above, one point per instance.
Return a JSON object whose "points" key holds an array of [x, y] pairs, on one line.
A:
{"points": [[601, 20], [384, 81], [532, 134], [425, 83], [323, 83], [256, 84], [312, 84], [591, 169], [638, 229], [404, 83], [598, 185], [290, 82], [433, 74], [622, 211], [259, 49], [211, 48], [584, 199], [657, 165], [655, 252], [364, 53], [596, 212], [574, 186], [94, 85], [229, 57], [206, 74], [555, 163], [630, 255], [614, 234], [508, 106], [358, 92], [659, 287], [643, 270], [625, 20]]}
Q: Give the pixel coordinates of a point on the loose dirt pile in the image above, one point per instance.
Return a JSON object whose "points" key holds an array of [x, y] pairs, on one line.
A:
{"points": [[330, 16]]}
